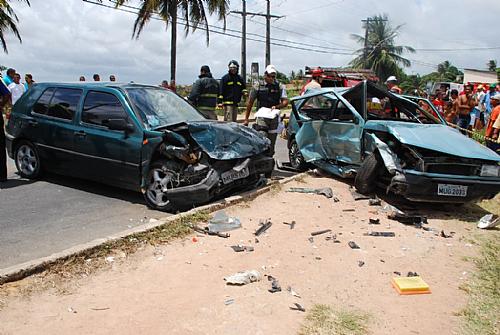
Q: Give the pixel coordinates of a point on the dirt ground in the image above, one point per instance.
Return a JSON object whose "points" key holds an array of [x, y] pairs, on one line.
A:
{"points": [[179, 288]]}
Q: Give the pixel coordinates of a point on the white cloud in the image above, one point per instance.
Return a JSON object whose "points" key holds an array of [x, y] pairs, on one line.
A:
{"points": [[65, 39]]}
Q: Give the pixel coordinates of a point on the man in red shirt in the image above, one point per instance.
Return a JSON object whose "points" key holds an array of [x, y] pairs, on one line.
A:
{"points": [[491, 130]]}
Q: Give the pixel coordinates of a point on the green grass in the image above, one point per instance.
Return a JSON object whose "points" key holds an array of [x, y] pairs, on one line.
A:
{"points": [[324, 320], [483, 309]]}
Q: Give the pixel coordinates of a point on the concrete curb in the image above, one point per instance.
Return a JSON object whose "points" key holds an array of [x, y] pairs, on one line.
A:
{"points": [[23, 270]]}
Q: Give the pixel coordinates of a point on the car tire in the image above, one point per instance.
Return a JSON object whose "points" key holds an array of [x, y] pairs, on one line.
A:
{"points": [[297, 161], [27, 160], [161, 173], [367, 174]]}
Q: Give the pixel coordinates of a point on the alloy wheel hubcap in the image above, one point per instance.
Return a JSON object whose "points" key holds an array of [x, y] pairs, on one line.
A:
{"points": [[27, 160], [159, 182]]}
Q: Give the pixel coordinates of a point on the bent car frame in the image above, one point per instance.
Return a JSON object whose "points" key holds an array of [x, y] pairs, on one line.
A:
{"points": [[386, 140], [136, 137]]}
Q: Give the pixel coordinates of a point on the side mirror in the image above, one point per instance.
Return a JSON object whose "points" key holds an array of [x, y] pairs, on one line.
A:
{"points": [[120, 125], [356, 120]]}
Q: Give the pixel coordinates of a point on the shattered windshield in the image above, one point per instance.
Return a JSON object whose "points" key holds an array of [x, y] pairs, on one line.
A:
{"points": [[159, 107]]}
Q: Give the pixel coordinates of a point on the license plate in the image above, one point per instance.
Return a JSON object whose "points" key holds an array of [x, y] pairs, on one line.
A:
{"points": [[231, 175], [452, 190]]}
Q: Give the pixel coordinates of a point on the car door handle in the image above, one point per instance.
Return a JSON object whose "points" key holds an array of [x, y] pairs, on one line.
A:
{"points": [[32, 122], [80, 133]]}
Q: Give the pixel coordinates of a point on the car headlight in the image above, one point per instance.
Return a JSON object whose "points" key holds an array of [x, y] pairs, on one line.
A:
{"points": [[490, 171]]}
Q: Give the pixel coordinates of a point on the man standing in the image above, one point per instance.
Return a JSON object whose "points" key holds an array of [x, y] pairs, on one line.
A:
{"points": [[493, 127], [465, 105], [392, 85], [271, 97], [487, 102], [96, 77], [4, 96], [82, 78], [232, 88], [315, 83], [112, 77], [9, 78], [16, 88], [204, 93]]}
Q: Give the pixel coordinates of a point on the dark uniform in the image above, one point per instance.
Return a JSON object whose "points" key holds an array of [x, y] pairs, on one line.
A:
{"points": [[268, 95], [204, 95], [232, 88], [3, 155]]}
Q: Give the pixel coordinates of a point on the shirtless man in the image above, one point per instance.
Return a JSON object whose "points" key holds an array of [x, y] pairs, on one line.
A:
{"points": [[465, 105], [451, 107]]}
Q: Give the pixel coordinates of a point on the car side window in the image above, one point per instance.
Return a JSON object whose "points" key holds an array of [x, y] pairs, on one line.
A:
{"points": [[343, 113], [42, 104], [64, 103], [99, 107], [318, 107]]}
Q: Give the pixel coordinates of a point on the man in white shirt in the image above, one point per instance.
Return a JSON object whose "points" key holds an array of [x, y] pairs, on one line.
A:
{"points": [[16, 88]]}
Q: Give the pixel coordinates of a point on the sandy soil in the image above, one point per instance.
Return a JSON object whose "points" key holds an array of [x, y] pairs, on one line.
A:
{"points": [[179, 288]]}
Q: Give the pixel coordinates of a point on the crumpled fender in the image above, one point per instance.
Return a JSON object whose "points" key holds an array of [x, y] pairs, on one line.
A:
{"points": [[391, 160]]}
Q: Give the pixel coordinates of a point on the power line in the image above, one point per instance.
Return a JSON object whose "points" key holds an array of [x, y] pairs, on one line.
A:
{"points": [[459, 50]]}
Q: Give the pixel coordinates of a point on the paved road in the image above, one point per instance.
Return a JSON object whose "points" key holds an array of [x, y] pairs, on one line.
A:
{"points": [[47, 216]]}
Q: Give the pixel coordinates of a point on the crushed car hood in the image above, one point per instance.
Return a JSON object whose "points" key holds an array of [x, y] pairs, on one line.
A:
{"points": [[435, 137], [227, 140]]}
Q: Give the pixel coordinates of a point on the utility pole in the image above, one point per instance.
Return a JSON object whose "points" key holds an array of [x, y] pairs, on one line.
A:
{"points": [[268, 17], [244, 42], [367, 27]]}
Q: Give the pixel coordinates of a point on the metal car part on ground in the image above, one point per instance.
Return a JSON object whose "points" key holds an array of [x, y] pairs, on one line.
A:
{"points": [[383, 139], [136, 137]]}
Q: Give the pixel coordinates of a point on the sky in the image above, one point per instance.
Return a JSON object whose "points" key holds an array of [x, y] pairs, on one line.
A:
{"points": [[63, 39]]}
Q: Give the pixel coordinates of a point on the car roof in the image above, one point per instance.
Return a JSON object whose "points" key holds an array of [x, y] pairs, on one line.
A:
{"points": [[94, 85]]}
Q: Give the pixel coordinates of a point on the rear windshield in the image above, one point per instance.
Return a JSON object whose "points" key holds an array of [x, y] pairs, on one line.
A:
{"points": [[159, 107]]}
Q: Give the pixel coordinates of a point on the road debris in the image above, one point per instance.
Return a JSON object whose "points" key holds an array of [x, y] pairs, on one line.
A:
{"points": [[275, 284], [349, 210], [361, 263], [353, 245], [110, 259], [297, 307], [100, 309], [311, 239], [396, 214], [243, 278], [374, 202], [264, 226], [374, 221], [320, 232], [333, 238], [221, 222], [488, 221], [443, 234], [397, 273], [292, 224], [358, 196], [241, 248], [72, 310], [410, 285], [229, 302], [381, 233], [207, 232], [412, 274], [327, 191], [292, 292]]}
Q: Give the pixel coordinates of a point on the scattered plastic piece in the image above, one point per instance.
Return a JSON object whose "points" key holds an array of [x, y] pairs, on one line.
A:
{"points": [[488, 221], [327, 191], [110, 259], [320, 232], [297, 307], [361, 263], [412, 274], [221, 223], [292, 224], [311, 239], [410, 285], [443, 234], [292, 292], [374, 221], [374, 202], [353, 245], [381, 233], [194, 239], [243, 278], [398, 215], [397, 273], [333, 238], [358, 196], [229, 302], [349, 210], [240, 248], [264, 226], [275, 285]]}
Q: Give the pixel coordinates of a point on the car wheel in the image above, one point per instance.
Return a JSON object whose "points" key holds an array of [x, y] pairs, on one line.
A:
{"points": [[162, 175], [27, 160], [296, 159], [367, 174]]}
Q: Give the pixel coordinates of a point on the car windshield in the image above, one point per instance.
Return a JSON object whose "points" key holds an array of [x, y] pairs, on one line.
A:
{"points": [[159, 107]]}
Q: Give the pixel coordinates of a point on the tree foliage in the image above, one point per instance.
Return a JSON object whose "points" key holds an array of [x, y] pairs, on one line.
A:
{"points": [[381, 54], [492, 65], [8, 22]]}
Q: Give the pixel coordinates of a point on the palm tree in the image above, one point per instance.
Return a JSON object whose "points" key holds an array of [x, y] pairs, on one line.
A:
{"points": [[192, 12], [379, 52], [8, 20], [447, 72]]}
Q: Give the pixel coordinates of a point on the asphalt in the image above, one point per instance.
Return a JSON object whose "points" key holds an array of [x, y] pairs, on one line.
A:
{"points": [[39, 218]]}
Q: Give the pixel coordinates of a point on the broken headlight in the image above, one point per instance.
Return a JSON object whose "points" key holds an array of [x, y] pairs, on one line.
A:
{"points": [[490, 171]]}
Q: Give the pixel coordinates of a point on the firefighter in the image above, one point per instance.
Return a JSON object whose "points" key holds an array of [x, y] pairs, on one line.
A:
{"points": [[315, 83], [392, 85], [232, 88], [204, 93], [271, 97]]}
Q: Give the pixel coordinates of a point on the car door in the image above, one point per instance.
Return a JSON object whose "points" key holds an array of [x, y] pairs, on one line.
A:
{"points": [[109, 156], [331, 129], [51, 126]]}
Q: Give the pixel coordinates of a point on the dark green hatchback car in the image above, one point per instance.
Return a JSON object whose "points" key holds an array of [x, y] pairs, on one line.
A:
{"points": [[136, 137]]}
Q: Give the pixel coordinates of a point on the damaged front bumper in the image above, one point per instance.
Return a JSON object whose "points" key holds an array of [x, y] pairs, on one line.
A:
{"points": [[429, 187], [214, 186]]}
